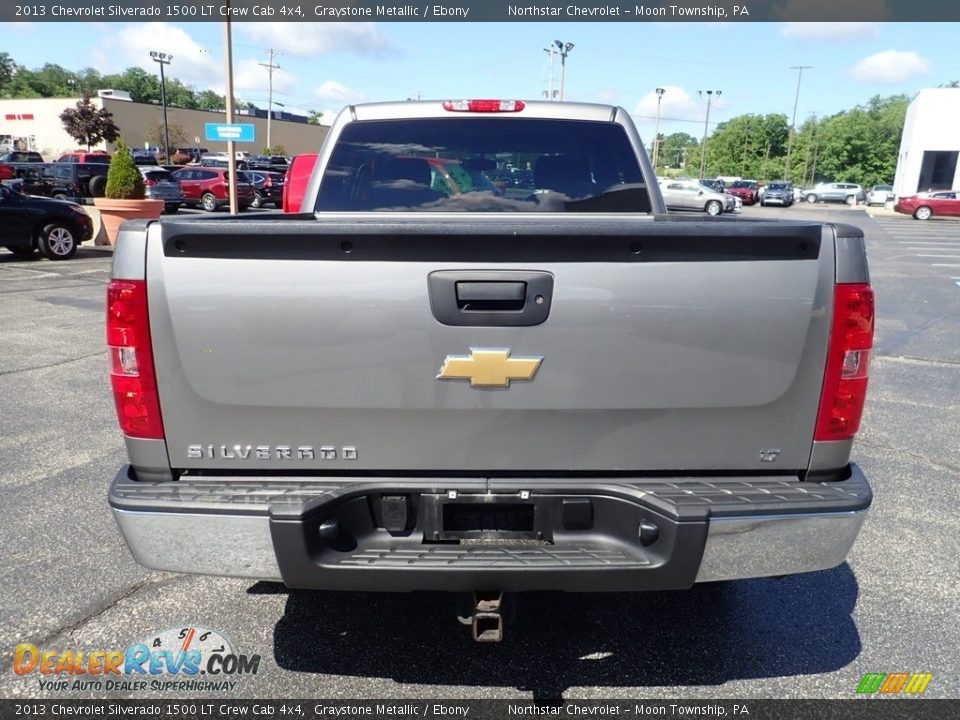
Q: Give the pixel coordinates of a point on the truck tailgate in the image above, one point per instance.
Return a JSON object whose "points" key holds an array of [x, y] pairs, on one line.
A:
{"points": [[313, 344]]}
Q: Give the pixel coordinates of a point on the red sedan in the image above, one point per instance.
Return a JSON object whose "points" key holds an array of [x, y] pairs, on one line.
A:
{"points": [[924, 206], [746, 190]]}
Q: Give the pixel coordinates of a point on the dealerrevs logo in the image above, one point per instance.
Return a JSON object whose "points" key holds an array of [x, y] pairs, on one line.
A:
{"points": [[196, 658]]}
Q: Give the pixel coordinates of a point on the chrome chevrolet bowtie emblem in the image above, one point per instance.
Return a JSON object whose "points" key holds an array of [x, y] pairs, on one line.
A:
{"points": [[489, 368]]}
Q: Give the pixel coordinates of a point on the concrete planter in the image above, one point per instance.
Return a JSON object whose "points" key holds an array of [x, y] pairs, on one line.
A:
{"points": [[114, 212]]}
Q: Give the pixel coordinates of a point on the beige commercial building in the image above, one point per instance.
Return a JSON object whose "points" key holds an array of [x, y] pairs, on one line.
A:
{"points": [[34, 124]]}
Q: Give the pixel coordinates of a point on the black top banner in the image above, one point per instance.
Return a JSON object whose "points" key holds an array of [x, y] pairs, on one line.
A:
{"points": [[481, 11]]}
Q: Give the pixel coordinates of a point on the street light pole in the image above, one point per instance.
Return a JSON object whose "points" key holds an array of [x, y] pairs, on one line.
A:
{"points": [[163, 59], [793, 121], [551, 52], [565, 49], [656, 133], [706, 122], [270, 68], [231, 145]]}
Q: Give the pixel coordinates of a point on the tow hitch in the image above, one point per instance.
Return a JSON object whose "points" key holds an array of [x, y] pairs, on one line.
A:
{"points": [[486, 622]]}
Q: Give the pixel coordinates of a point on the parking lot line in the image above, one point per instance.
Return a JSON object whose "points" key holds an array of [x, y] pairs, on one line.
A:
{"points": [[941, 256]]}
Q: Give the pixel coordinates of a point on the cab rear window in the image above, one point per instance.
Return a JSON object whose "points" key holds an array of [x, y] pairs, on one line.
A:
{"points": [[486, 164]]}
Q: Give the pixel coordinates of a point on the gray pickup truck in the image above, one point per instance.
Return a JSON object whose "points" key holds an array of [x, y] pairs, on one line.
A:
{"points": [[428, 381]]}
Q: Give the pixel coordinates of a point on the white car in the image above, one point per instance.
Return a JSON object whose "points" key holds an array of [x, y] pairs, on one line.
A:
{"points": [[880, 195], [692, 195]]}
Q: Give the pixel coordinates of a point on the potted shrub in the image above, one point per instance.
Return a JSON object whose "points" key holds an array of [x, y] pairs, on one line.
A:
{"points": [[124, 196]]}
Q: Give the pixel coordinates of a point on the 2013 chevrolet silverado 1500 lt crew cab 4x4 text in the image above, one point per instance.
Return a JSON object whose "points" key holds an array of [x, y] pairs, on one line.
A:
{"points": [[412, 385]]}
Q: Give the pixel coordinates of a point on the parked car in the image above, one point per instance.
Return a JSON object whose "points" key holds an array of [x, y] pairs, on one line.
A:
{"points": [[195, 153], [880, 194], [144, 158], [54, 227], [267, 187], [222, 162], [694, 195], [849, 193], [715, 184], [924, 206], [21, 156], [296, 179], [160, 184], [69, 181], [746, 190], [207, 187], [778, 192], [276, 163], [98, 157]]}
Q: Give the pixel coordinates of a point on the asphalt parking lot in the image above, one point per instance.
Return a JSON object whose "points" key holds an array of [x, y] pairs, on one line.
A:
{"points": [[70, 583]]}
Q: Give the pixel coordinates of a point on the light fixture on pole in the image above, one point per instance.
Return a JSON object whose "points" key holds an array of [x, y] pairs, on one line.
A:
{"points": [[564, 49], [270, 68], [656, 133], [706, 122], [163, 59], [793, 122]]}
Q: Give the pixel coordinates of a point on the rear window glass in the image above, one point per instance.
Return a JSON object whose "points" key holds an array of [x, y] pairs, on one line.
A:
{"points": [[485, 164], [98, 159], [159, 176]]}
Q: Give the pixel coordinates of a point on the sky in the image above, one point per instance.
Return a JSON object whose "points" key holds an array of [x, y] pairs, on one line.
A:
{"points": [[325, 66]]}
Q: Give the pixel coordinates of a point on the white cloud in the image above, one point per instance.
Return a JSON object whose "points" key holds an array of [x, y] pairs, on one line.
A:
{"points": [[192, 63], [677, 104], [312, 39], [838, 10], [251, 75], [890, 67], [333, 93], [834, 31]]}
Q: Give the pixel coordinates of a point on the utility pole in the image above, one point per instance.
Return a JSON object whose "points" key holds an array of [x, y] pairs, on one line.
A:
{"points": [[550, 51], [816, 147], [706, 122], [793, 121], [806, 157], [270, 68], [163, 59], [656, 133], [746, 143], [231, 145], [565, 49]]}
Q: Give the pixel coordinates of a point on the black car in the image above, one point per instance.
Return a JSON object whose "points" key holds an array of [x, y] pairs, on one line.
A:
{"points": [[71, 181], [276, 163], [29, 223], [267, 187]]}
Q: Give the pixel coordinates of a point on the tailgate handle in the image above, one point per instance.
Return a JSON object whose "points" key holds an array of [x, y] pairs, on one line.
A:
{"points": [[492, 296], [488, 298]]}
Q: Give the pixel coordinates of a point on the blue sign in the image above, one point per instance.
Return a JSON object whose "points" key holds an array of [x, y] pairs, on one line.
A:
{"points": [[226, 132]]}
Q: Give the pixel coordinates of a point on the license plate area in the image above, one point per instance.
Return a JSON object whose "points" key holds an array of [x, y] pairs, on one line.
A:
{"points": [[479, 520]]}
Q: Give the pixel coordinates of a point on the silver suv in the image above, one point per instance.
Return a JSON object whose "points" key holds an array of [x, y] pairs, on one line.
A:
{"points": [[850, 193]]}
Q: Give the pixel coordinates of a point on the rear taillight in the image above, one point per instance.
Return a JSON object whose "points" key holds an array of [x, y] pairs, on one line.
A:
{"points": [[483, 105], [848, 360], [131, 360], [149, 183]]}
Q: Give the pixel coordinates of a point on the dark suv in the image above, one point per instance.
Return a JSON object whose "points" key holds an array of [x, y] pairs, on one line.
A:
{"points": [[71, 181]]}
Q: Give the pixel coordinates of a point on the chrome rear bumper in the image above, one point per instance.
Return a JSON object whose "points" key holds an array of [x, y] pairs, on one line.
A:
{"points": [[722, 529]]}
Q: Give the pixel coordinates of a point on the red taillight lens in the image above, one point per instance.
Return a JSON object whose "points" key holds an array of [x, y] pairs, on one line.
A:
{"points": [[848, 359], [483, 105], [131, 360], [149, 183]]}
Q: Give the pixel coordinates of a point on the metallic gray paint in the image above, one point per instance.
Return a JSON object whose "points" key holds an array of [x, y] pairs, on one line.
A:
{"points": [[726, 355], [739, 548], [148, 458], [830, 455], [130, 253], [851, 257]]}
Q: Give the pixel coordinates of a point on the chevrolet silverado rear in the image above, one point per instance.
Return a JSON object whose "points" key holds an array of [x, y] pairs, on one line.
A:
{"points": [[409, 387]]}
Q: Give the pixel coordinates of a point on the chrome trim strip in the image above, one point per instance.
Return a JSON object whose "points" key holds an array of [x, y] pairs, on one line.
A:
{"points": [[223, 545], [746, 547]]}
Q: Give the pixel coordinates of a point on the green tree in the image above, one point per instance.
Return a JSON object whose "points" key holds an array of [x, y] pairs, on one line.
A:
{"points": [[154, 135], [88, 124], [8, 68], [314, 117], [678, 150], [124, 181], [209, 100]]}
